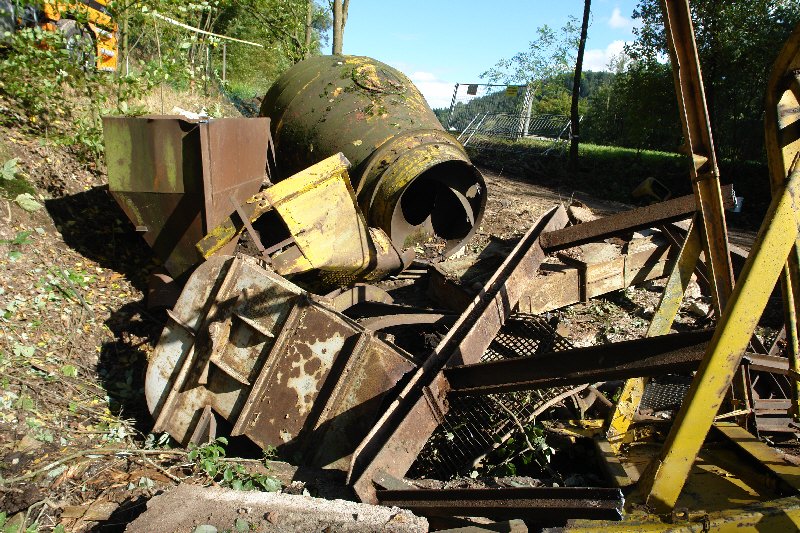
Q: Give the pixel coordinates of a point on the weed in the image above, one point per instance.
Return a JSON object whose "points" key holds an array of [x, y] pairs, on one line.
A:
{"points": [[20, 239], [209, 458], [522, 452]]}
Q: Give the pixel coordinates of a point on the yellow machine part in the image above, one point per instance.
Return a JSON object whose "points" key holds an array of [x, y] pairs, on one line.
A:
{"points": [[99, 21], [775, 516]]}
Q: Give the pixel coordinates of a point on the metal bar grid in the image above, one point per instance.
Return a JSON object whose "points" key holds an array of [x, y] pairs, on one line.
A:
{"points": [[477, 424]]}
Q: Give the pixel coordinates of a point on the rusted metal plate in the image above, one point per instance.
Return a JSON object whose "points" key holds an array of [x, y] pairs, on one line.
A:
{"points": [[286, 392], [217, 337], [173, 177], [275, 363], [402, 431]]}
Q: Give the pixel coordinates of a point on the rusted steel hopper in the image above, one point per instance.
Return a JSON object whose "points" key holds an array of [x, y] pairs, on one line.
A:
{"points": [[247, 349], [412, 179], [174, 177]]}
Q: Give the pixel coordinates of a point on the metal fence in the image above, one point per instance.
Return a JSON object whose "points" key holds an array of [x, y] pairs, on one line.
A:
{"points": [[484, 131], [473, 99]]}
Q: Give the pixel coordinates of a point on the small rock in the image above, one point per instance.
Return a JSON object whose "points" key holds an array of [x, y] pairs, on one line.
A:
{"points": [[579, 213], [698, 308]]}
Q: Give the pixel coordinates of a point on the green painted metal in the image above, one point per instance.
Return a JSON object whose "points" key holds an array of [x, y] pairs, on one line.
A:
{"points": [[173, 177], [412, 178]]}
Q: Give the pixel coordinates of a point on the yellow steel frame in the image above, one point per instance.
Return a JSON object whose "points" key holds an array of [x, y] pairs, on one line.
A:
{"points": [[660, 324], [708, 228], [776, 516], [664, 480], [783, 145], [776, 254]]}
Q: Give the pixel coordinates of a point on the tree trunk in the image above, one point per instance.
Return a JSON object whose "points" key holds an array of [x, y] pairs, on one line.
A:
{"points": [[576, 89], [338, 26], [309, 19]]}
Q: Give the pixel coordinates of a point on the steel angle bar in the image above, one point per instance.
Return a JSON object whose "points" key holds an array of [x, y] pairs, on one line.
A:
{"points": [[407, 423], [664, 479], [767, 363], [680, 352], [767, 459], [697, 132], [535, 504], [627, 221]]}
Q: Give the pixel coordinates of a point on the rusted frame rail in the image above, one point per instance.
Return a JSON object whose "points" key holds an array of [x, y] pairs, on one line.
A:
{"points": [[628, 221], [782, 140], [700, 144], [676, 353], [408, 422], [534, 504]]}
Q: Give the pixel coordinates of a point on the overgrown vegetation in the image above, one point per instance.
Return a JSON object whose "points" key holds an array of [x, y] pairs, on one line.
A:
{"points": [[208, 458]]}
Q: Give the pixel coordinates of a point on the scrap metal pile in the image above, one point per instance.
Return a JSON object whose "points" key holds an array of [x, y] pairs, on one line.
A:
{"points": [[293, 344]]}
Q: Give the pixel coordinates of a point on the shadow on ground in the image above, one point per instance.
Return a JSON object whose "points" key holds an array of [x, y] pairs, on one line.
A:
{"points": [[91, 223]]}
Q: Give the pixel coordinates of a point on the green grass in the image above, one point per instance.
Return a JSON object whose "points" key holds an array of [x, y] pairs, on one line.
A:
{"points": [[612, 173]]}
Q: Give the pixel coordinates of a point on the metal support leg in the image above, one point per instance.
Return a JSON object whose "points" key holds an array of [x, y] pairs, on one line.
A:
{"points": [[783, 146], [664, 479], [661, 323]]}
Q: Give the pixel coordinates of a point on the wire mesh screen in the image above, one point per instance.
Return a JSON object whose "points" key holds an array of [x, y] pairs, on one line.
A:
{"points": [[477, 424], [476, 99], [499, 132]]}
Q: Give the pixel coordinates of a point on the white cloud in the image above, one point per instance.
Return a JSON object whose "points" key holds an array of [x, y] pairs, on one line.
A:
{"points": [[422, 76], [438, 93], [618, 21], [597, 58]]}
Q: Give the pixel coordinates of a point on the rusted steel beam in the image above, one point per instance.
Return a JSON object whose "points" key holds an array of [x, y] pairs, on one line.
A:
{"points": [[535, 504], [407, 423], [767, 363], [653, 356], [635, 219]]}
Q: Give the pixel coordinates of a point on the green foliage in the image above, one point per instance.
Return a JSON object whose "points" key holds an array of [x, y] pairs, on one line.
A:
{"points": [[528, 453], [19, 239], [737, 43], [636, 108], [209, 459], [548, 57], [194, 62], [45, 75], [9, 170]]}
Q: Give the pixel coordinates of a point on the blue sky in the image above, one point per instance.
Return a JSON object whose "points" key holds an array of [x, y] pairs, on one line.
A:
{"points": [[439, 43]]}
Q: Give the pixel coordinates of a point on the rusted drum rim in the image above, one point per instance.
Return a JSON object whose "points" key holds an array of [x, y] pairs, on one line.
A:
{"points": [[423, 182]]}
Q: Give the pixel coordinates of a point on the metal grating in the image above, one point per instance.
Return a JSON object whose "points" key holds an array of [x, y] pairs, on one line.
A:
{"points": [[477, 424], [665, 396]]}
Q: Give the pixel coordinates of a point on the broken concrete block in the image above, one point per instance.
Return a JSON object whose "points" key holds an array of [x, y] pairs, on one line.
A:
{"points": [[186, 507], [579, 213]]}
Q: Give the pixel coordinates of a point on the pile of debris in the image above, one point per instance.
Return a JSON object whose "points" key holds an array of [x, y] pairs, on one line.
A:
{"points": [[295, 341]]}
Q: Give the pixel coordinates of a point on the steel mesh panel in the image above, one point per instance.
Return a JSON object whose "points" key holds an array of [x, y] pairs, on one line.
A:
{"points": [[476, 424], [664, 396]]}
